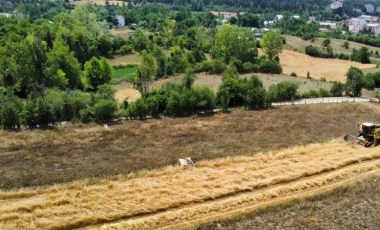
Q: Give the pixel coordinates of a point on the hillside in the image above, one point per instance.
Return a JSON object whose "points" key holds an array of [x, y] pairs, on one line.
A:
{"points": [[180, 198]]}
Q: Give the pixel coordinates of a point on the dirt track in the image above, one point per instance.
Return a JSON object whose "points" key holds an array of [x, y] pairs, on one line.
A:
{"points": [[175, 198]]}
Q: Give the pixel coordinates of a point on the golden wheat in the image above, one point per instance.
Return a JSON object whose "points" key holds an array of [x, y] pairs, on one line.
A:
{"points": [[86, 203]]}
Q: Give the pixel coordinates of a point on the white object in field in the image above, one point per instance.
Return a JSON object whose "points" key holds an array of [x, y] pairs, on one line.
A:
{"points": [[105, 126], [186, 162]]}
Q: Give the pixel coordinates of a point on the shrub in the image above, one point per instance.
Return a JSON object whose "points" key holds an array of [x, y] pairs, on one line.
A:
{"points": [[11, 109], [224, 99], [86, 115], [267, 66], [105, 110], [206, 99], [248, 67], [324, 93], [283, 91], [293, 74], [138, 110], [125, 49], [337, 89]]}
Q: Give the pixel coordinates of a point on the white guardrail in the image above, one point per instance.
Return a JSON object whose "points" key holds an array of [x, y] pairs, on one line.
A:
{"points": [[326, 100]]}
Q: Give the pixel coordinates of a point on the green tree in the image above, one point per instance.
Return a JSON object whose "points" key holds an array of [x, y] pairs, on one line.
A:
{"points": [[337, 89], [234, 43], [105, 110], [354, 82], [11, 108], [63, 69], [326, 42], [145, 73], [272, 45], [97, 72]]}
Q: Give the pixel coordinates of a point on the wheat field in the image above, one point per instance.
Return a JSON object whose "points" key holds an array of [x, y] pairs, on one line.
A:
{"points": [[172, 196]]}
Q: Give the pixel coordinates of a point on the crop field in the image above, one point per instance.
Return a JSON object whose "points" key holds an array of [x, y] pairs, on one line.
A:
{"points": [[179, 198], [73, 152], [353, 206], [124, 74], [329, 69]]}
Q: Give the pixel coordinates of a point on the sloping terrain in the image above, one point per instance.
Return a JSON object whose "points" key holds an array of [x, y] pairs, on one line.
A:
{"points": [[353, 206], [75, 152], [175, 198]]}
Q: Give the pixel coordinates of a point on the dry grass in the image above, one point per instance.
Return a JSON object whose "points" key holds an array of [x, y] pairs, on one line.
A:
{"points": [[330, 69], [122, 32], [42, 157], [129, 59], [353, 206], [299, 44], [265, 176], [126, 91]]}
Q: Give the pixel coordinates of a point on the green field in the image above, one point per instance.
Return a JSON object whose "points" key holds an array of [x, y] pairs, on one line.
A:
{"points": [[124, 74], [299, 45]]}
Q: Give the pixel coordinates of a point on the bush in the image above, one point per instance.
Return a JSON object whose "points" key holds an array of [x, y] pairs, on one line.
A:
{"points": [[267, 66], [105, 110], [248, 67], [283, 91], [86, 115], [125, 49], [293, 74], [337, 89], [11, 109], [235, 88], [138, 110], [206, 98], [324, 93]]}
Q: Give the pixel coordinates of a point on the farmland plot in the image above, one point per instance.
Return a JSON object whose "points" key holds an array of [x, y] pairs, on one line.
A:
{"points": [[176, 197]]}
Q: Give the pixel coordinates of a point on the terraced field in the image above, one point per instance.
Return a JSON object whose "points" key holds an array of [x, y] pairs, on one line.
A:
{"points": [[178, 198]]}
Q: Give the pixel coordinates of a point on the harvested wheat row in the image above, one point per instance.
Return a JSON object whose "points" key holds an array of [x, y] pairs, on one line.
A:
{"points": [[87, 203]]}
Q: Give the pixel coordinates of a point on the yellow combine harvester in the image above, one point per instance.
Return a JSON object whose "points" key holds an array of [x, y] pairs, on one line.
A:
{"points": [[369, 134]]}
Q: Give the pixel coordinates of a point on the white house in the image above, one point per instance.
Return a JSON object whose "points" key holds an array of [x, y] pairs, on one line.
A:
{"points": [[120, 20], [336, 5], [369, 8], [355, 25], [331, 25], [279, 17]]}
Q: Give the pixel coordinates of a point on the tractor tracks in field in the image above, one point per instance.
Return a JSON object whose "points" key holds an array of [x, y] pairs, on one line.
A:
{"points": [[245, 201]]}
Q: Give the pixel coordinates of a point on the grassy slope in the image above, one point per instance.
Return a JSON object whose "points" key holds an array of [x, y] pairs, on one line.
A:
{"points": [[64, 154], [352, 207], [300, 44]]}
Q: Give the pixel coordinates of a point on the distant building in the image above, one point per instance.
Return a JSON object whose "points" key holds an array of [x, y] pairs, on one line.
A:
{"points": [[357, 10], [336, 5], [311, 19], [296, 17], [268, 23], [120, 20], [6, 15], [355, 25], [225, 15], [328, 25], [279, 17], [369, 8]]}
